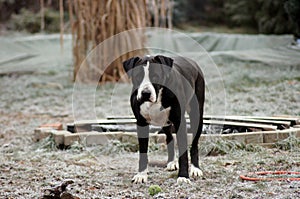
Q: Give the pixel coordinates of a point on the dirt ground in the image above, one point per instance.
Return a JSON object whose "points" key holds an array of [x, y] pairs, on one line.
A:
{"points": [[28, 100]]}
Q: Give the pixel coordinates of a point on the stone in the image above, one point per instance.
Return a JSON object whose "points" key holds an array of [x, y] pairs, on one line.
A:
{"points": [[55, 126], [59, 136], [41, 133], [91, 138]]}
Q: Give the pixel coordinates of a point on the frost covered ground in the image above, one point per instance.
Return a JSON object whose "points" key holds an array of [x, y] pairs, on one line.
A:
{"points": [[30, 99]]}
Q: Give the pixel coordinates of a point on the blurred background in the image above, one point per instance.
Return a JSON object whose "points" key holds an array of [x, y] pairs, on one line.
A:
{"points": [[254, 44], [243, 16], [91, 22]]}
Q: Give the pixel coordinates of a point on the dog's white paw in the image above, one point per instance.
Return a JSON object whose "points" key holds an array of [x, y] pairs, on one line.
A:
{"points": [[141, 177], [183, 180], [195, 172], [172, 166]]}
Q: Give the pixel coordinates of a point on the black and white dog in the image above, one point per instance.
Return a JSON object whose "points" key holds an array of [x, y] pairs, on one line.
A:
{"points": [[164, 89]]}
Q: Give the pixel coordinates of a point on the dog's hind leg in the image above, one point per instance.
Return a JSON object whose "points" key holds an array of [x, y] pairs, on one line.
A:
{"points": [[181, 136], [195, 130], [196, 120], [178, 120]]}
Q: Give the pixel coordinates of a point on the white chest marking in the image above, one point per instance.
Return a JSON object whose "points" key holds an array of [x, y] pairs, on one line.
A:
{"points": [[154, 113]]}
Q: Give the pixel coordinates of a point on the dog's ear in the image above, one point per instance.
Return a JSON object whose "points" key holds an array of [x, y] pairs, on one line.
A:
{"points": [[164, 60], [167, 63], [130, 64]]}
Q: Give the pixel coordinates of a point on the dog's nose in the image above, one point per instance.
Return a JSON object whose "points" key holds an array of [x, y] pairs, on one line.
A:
{"points": [[146, 94]]}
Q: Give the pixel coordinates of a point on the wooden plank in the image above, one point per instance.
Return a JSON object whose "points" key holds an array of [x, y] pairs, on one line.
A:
{"points": [[112, 117], [293, 120], [124, 128], [86, 125], [279, 124], [104, 121], [242, 124], [215, 122]]}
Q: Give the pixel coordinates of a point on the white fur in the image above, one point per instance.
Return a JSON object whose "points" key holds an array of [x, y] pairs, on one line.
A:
{"points": [[195, 172], [172, 166], [153, 114], [140, 177], [181, 180], [147, 85]]}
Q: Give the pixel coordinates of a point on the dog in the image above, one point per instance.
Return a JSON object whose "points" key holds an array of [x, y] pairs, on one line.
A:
{"points": [[164, 88]]}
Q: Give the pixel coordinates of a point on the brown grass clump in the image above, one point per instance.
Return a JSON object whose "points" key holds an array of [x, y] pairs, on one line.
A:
{"points": [[93, 21]]}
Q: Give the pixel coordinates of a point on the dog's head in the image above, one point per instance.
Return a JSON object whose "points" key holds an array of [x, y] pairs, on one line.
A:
{"points": [[148, 75]]}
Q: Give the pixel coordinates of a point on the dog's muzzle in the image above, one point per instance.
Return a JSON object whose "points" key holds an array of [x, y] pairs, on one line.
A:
{"points": [[146, 93]]}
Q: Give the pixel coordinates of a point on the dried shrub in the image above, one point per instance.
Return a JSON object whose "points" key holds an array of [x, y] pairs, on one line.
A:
{"points": [[94, 21]]}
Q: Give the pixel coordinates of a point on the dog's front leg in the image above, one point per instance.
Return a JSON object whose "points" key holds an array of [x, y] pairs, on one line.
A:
{"points": [[172, 164], [181, 136], [143, 138]]}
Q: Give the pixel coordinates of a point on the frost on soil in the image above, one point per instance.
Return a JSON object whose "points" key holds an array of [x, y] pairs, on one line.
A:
{"points": [[45, 96]]}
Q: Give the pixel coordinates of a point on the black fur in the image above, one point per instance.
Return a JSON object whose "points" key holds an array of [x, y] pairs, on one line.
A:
{"points": [[183, 86]]}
